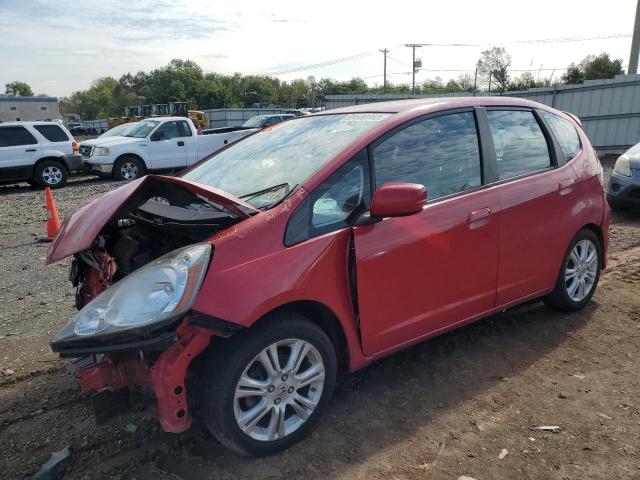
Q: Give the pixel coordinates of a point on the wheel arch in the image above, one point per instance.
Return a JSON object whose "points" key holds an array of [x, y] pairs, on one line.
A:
{"points": [[134, 155], [49, 157], [598, 231], [325, 318]]}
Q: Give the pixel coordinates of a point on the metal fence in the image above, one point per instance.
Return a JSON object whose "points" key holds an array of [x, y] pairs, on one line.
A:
{"points": [[609, 109], [95, 127], [229, 117]]}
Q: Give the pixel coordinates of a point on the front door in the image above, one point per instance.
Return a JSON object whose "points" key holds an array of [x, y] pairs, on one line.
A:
{"points": [[167, 149], [424, 273]]}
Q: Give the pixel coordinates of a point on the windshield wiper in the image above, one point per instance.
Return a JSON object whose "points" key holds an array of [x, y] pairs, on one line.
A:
{"points": [[259, 193]]}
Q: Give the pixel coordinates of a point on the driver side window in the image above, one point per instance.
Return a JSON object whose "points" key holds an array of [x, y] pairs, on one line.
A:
{"points": [[169, 130]]}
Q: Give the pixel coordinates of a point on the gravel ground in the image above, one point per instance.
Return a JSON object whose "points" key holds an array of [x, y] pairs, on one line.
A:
{"points": [[449, 407]]}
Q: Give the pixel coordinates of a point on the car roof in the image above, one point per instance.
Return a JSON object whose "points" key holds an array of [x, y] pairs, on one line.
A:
{"points": [[421, 106], [23, 123], [161, 119]]}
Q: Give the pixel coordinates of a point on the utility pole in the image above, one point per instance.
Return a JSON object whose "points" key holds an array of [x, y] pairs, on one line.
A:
{"points": [[635, 43], [475, 82], [384, 51], [489, 82], [414, 65]]}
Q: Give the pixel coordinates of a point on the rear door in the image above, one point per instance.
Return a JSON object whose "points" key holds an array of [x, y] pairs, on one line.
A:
{"points": [[19, 150], [424, 273], [169, 151], [536, 194]]}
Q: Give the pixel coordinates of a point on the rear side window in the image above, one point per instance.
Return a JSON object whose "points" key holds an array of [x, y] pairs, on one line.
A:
{"points": [[564, 132], [16, 136], [441, 153], [186, 131], [53, 133], [520, 144]]}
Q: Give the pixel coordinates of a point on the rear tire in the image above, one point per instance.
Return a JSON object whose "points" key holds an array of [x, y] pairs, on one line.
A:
{"points": [[51, 173], [286, 408], [128, 168], [579, 274]]}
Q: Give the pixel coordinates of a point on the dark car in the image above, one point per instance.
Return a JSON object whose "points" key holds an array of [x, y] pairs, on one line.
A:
{"points": [[262, 121], [624, 185]]}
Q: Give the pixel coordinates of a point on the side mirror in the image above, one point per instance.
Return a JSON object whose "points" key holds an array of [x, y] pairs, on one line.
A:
{"points": [[157, 136], [395, 199]]}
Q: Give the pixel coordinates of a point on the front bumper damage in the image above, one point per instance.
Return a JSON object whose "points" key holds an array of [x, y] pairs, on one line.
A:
{"points": [[121, 370]]}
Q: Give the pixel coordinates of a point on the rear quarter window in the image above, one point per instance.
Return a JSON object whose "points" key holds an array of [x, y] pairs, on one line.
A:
{"points": [[53, 133], [564, 132]]}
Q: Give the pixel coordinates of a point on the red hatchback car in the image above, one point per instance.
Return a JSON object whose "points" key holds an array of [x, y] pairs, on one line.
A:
{"points": [[238, 292]]}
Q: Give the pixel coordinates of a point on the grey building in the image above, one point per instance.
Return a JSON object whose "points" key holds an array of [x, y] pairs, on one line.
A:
{"points": [[16, 108]]}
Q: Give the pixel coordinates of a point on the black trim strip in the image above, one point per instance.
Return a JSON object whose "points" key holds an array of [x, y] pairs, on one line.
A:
{"points": [[160, 342], [223, 327], [488, 149]]}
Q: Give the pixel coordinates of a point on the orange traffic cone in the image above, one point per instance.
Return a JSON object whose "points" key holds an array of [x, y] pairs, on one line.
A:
{"points": [[53, 221]]}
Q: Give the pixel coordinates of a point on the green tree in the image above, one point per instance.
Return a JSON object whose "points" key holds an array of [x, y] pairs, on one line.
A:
{"points": [[495, 63], [18, 88], [526, 81], [593, 68]]}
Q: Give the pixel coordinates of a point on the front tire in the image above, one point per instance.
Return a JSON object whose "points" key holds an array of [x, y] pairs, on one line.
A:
{"points": [[264, 388], [128, 168], [579, 275], [51, 173]]}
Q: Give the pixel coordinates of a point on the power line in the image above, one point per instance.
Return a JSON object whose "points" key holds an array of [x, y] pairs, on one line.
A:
{"points": [[361, 55], [327, 63]]}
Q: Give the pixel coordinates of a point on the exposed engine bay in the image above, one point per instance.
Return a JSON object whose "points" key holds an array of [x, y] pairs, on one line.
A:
{"points": [[157, 219]]}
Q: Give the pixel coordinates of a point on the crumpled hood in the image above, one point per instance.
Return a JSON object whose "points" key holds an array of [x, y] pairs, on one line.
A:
{"points": [[79, 229]]}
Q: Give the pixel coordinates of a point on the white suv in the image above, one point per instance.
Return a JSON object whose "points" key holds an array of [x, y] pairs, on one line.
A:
{"points": [[37, 152]]}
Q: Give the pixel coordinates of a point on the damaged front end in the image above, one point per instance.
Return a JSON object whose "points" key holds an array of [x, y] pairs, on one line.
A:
{"points": [[140, 256]]}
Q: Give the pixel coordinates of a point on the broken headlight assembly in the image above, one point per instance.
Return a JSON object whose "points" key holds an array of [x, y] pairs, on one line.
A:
{"points": [[152, 296]]}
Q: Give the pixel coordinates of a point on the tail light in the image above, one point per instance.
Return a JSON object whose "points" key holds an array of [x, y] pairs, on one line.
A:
{"points": [[75, 147]]}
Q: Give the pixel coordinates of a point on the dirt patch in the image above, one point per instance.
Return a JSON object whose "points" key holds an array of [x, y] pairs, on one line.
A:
{"points": [[446, 408]]}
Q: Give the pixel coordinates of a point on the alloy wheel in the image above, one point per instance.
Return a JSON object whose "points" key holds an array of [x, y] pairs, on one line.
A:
{"points": [[129, 171], [581, 270], [52, 175], [279, 390]]}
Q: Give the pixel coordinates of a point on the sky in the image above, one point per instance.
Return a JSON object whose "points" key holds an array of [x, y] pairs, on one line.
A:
{"points": [[61, 46]]}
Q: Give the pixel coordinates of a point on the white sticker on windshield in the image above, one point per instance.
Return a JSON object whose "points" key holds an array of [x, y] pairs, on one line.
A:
{"points": [[364, 117]]}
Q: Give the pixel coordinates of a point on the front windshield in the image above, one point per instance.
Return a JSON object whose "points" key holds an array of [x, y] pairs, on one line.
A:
{"points": [[119, 130], [254, 122], [142, 129], [273, 161]]}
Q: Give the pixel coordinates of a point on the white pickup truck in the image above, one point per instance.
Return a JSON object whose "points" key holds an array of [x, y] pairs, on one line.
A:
{"points": [[159, 143]]}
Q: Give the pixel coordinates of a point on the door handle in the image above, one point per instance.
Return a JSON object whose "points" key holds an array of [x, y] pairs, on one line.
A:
{"points": [[180, 143], [566, 186], [478, 218], [30, 150]]}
